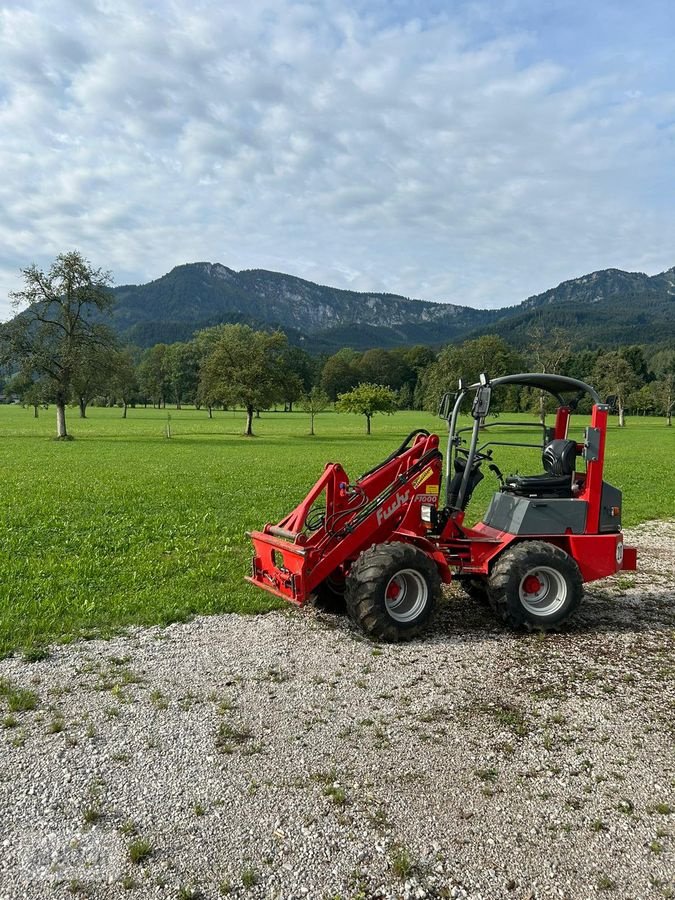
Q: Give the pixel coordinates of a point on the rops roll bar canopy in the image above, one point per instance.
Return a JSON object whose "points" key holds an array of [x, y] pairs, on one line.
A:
{"points": [[556, 385], [552, 384]]}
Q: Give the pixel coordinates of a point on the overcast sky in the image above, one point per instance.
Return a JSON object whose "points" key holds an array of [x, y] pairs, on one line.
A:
{"points": [[475, 152]]}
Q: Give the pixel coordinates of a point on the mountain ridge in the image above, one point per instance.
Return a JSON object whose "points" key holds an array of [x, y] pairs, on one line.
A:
{"points": [[605, 307]]}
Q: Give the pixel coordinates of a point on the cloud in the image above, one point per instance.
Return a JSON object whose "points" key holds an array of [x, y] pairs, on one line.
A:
{"points": [[465, 157]]}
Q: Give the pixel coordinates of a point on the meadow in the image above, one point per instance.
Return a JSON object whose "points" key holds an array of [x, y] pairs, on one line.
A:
{"points": [[124, 526]]}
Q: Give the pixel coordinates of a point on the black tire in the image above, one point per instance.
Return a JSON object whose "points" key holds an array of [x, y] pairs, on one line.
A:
{"points": [[376, 574], [475, 587], [330, 595], [554, 592]]}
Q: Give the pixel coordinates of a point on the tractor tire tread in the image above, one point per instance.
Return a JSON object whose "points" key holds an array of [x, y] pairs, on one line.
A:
{"points": [[367, 575], [520, 557]]}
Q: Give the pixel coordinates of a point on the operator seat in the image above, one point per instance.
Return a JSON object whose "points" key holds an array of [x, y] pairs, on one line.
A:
{"points": [[559, 461]]}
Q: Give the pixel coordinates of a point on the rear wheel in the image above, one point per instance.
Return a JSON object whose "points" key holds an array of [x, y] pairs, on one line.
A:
{"points": [[535, 585], [392, 590]]}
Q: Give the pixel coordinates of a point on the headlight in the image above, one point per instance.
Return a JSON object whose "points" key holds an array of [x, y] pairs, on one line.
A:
{"points": [[426, 512]]}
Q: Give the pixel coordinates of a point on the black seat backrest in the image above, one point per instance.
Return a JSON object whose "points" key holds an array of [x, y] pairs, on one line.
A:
{"points": [[559, 457]]}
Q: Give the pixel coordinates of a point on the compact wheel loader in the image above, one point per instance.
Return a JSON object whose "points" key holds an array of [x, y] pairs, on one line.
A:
{"points": [[387, 542]]}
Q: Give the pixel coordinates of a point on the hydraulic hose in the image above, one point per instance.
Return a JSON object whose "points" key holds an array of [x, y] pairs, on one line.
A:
{"points": [[399, 450]]}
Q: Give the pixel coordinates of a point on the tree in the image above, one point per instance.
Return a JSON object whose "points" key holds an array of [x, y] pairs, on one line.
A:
{"points": [[366, 400], [635, 357], [549, 350], [124, 381], [419, 358], [314, 402], [490, 354], [154, 374], [406, 396], [300, 371], [93, 374], [290, 388], [204, 343], [339, 373], [641, 401], [244, 367], [615, 376], [581, 364], [28, 391], [60, 325], [182, 371], [662, 361], [663, 392], [385, 367]]}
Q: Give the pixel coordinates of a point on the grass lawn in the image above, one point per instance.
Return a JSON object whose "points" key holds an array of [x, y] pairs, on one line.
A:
{"points": [[123, 526]]}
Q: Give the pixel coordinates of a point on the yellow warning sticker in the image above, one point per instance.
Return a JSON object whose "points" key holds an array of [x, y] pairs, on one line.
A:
{"points": [[422, 477], [432, 488]]}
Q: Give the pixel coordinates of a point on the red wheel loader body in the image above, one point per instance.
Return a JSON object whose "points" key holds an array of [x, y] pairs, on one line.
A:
{"points": [[400, 501]]}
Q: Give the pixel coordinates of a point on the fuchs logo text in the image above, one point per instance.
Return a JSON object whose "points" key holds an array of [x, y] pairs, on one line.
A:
{"points": [[388, 511]]}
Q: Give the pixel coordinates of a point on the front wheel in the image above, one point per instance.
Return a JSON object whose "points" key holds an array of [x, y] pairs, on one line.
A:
{"points": [[536, 585], [392, 590]]}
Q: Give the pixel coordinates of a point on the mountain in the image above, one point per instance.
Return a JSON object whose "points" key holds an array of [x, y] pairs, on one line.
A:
{"points": [[604, 308], [198, 295]]}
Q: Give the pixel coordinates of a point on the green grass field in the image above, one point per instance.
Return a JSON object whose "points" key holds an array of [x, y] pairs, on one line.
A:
{"points": [[123, 526]]}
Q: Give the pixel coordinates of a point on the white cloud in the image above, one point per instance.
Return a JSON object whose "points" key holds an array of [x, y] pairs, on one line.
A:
{"points": [[329, 140]]}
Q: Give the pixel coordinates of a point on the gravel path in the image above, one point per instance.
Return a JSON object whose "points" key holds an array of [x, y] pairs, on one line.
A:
{"points": [[283, 756]]}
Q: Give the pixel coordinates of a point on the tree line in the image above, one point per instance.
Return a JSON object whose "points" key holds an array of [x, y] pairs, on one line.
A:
{"points": [[59, 350]]}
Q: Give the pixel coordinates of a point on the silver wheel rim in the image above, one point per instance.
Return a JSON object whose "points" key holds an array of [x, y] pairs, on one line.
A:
{"points": [[406, 595], [542, 591]]}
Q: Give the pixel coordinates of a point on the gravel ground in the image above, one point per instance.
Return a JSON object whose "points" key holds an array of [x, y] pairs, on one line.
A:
{"points": [[284, 756]]}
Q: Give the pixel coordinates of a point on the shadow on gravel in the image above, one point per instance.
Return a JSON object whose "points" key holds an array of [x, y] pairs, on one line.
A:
{"points": [[602, 611], [633, 611]]}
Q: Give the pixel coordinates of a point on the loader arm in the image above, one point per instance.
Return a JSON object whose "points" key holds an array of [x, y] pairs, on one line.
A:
{"points": [[292, 558]]}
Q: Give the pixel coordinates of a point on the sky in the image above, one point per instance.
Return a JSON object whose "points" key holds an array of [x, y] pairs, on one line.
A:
{"points": [[471, 152]]}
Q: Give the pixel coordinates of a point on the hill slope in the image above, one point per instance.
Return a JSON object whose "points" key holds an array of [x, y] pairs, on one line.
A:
{"points": [[197, 295], [604, 308]]}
